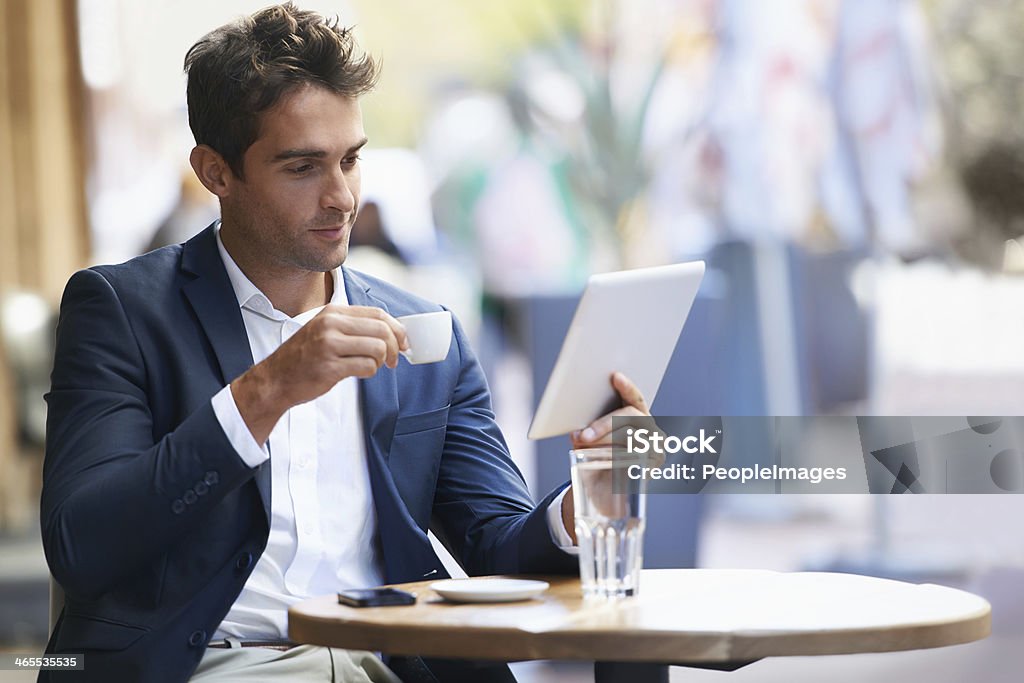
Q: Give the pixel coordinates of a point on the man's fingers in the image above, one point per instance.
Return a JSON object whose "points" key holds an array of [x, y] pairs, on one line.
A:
{"points": [[361, 347], [366, 321], [371, 328], [629, 392], [358, 366], [596, 433], [362, 327], [373, 313], [399, 331]]}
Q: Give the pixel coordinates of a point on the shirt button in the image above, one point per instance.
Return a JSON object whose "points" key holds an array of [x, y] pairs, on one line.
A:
{"points": [[190, 497], [211, 478], [178, 506], [197, 638], [201, 488], [244, 561]]}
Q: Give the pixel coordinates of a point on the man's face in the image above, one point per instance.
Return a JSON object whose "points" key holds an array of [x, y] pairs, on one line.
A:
{"points": [[296, 206]]}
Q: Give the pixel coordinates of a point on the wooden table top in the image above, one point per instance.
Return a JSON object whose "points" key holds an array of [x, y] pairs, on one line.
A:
{"points": [[681, 616]]}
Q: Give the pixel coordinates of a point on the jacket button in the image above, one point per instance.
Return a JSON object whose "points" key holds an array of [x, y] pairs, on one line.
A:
{"points": [[201, 488], [211, 478], [190, 497], [244, 561], [178, 506], [197, 638]]}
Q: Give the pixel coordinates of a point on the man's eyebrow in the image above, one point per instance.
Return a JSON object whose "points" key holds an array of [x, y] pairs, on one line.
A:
{"points": [[299, 154], [314, 153]]}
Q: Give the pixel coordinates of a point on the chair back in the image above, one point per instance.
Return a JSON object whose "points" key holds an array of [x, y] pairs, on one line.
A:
{"points": [[56, 603]]}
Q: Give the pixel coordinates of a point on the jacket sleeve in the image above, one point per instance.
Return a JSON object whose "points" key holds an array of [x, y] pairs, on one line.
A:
{"points": [[482, 509], [114, 498]]}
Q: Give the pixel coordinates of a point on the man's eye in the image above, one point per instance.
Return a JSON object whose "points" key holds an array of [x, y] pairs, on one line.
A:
{"points": [[305, 168], [350, 161]]}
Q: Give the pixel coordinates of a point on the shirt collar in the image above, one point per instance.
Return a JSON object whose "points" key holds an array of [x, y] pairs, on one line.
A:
{"points": [[249, 295]]}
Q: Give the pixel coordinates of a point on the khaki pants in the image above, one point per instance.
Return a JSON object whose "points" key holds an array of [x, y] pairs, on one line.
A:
{"points": [[302, 663]]}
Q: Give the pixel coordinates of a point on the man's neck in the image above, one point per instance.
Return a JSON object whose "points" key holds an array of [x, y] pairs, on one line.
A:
{"points": [[291, 291], [296, 294]]}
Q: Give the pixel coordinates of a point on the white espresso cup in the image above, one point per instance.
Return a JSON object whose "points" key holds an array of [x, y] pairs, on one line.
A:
{"points": [[429, 335]]}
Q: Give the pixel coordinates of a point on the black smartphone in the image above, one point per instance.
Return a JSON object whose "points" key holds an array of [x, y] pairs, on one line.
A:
{"points": [[375, 597]]}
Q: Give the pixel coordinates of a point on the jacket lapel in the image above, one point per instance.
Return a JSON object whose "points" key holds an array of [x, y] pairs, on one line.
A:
{"points": [[378, 394], [213, 299], [407, 551]]}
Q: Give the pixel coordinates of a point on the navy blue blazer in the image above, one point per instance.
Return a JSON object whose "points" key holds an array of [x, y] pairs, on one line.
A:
{"points": [[151, 521]]}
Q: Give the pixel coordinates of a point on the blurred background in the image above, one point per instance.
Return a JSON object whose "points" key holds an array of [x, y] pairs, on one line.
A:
{"points": [[852, 171]]}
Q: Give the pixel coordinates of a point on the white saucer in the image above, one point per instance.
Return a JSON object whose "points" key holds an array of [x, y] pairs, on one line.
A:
{"points": [[488, 590]]}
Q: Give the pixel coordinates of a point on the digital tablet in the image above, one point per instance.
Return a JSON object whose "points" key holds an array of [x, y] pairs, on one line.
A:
{"points": [[627, 321]]}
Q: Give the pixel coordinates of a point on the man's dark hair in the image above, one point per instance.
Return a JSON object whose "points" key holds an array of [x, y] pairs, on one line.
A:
{"points": [[240, 70]]}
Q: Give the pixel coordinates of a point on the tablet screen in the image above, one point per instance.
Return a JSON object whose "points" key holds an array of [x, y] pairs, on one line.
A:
{"points": [[628, 321]]}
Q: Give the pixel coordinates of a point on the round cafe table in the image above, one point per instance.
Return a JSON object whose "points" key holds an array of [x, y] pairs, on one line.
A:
{"points": [[707, 618]]}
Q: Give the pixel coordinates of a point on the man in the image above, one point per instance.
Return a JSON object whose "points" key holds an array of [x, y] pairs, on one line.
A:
{"points": [[230, 427]]}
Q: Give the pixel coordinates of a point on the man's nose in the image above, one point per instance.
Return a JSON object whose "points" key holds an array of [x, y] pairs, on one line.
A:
{"points": [[337, 194]]}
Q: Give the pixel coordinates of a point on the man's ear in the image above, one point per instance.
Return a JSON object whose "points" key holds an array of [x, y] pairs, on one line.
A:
{"points": [[211, 169]]}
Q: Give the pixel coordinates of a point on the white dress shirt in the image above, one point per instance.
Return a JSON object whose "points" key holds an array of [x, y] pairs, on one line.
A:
{"points": [[323, 528]]}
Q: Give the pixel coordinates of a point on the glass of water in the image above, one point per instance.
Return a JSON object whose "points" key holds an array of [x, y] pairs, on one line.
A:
{"points": [[609, 524]]}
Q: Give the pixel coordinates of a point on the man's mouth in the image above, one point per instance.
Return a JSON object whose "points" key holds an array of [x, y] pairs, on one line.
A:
{"points": [[330, 233]]}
